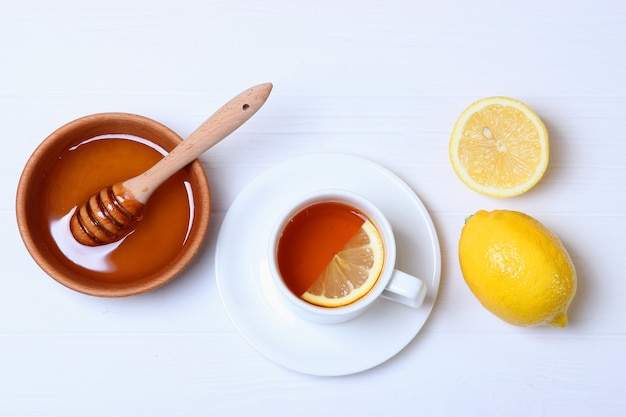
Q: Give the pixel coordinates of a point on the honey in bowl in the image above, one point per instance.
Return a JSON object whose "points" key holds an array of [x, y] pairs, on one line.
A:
{"points": [[81, 158], [102, 161]]}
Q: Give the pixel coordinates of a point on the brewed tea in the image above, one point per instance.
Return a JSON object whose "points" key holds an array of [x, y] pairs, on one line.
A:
{"points": [[310, 240]]}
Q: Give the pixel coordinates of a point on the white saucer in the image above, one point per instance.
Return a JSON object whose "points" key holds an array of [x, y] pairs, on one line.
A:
{"points": [[252, 302]]}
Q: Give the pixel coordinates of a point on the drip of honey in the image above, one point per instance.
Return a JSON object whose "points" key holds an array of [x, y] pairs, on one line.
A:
{"points": [[97, 163], [311, 238]]}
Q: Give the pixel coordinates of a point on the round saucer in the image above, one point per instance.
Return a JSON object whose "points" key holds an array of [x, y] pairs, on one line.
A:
{"points": [[252, 301]]}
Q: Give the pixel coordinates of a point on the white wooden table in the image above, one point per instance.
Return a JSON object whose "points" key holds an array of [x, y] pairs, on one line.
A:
{"points": [[380, 80]]}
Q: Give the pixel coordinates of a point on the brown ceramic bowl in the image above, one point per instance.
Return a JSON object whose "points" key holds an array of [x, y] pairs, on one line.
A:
{"points": [[42, 243]]}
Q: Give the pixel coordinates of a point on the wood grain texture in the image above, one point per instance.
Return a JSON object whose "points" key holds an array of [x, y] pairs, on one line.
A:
{"points": [[381, 80]]}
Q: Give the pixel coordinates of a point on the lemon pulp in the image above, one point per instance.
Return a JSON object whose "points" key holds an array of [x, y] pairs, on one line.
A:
{"points": [[499, 147]]}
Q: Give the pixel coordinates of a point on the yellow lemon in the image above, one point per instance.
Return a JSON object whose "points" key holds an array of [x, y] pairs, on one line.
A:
{"points": [[352, 272], [517, 268], [499, 147]]}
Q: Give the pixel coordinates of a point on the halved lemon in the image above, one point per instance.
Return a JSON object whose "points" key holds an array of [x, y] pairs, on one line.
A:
{"points": [[499, 147], [352, 272]]}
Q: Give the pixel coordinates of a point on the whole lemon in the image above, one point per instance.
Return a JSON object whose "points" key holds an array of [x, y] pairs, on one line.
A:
{"points": [[517, 268]]}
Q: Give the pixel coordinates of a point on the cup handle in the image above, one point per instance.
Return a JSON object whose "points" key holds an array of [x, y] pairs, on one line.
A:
{"points": [[405, 289]]}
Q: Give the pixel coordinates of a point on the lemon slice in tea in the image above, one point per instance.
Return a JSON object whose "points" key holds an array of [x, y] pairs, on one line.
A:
{"points": [[352, 272]]}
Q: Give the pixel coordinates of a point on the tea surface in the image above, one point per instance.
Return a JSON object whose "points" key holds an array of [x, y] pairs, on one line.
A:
{"points": [[310, 240]]}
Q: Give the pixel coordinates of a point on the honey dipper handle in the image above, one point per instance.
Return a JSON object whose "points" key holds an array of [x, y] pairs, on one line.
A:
{"points": [[218, 126]]}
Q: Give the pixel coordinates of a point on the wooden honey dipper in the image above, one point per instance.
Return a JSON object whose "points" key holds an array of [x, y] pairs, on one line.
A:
{"points": [[108, 215]]}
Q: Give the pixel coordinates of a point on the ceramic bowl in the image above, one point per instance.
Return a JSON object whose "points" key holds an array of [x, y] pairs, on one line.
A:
{"points": [[34, 230]]}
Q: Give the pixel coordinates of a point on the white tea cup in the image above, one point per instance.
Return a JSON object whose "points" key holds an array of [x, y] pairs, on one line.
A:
{"points": [[391, 284]]}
